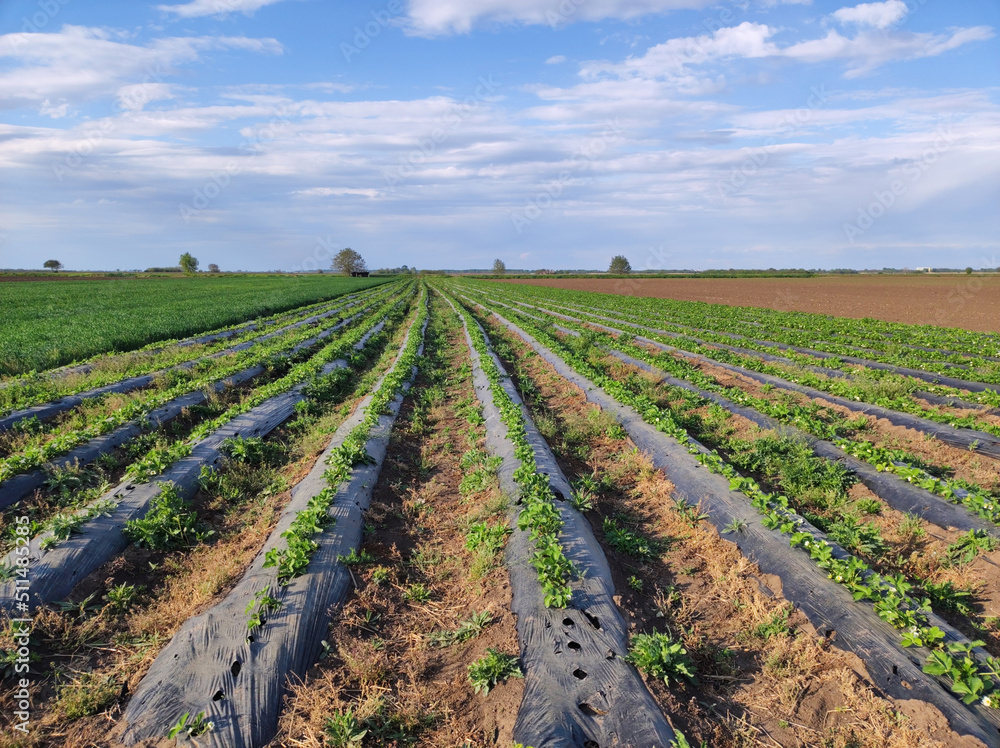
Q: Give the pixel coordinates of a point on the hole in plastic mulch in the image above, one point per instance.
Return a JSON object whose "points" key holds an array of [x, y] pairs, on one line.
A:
{"points": [[588, 709]]}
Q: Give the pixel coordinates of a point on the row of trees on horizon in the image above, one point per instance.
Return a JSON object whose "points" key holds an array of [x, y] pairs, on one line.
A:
{"points": [[347, 261]]}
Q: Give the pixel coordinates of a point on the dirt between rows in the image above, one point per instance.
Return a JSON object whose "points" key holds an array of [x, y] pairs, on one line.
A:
{"points": [[971, 302]]}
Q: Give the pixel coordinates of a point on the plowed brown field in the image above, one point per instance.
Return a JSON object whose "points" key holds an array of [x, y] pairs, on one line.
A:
{"points": [[970, 302]]}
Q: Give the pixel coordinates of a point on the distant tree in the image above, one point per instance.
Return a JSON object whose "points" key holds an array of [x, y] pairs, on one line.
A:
{"points": [[189, 263], [499, 268], [619, 265], [968, 271], [54, 265], [348, 261], [213, 268]]}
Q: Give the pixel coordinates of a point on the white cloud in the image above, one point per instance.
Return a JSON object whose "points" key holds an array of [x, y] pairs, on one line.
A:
{"points": [[675, 60], [556, 60], [55, 112], [436, 17], [329, 87], [877, 15], [197, 8], [869, 50], [135, 96], [335, 192], [671, 59], [79, 63], [319, 163]]}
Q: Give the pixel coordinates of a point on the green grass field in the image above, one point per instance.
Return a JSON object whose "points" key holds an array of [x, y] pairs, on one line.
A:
{"points": [[47, 324]]}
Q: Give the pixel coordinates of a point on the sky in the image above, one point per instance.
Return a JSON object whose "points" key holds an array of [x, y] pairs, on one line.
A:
{"points": [[269, 134]]}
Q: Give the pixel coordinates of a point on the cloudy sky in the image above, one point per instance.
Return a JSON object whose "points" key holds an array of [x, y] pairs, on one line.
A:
{"points": [[266, 134]]}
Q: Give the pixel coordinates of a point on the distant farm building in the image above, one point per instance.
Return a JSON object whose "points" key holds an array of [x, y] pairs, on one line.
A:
{"points": [[359, 273]]}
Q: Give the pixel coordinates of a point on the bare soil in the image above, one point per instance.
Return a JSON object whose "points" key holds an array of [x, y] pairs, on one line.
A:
{"points": [[971, 302]]}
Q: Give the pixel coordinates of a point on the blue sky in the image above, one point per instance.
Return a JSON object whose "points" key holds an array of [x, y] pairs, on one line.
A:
{"points": [[267, 134]]}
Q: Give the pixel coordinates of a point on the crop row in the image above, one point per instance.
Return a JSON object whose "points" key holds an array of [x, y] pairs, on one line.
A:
{"points": [[973, 678], [539, 514], [133, 370], [892, 392], [270, 626], [48, 444], [689, 385], [761, 339], [124, 360], [574, 641], [942, 349], [161, 458], [50, 324], [819, 421]]}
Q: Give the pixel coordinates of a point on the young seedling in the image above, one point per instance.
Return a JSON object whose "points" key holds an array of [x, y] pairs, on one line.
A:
{"points": [[736, 526], [193, 727]]}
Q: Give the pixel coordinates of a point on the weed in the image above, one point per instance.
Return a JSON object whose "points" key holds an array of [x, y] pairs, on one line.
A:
{"points": [[170, 523], [969, 545], [583, 500], [121, 597], [79, 609], [479, 479], [869, 506], [776, 625], [690, 513], [911, 528], [856, 537], [343, 730], [492, 669], [427, 560], [680, 741], [945, 596], [628, 542], [664, 600], [86, 696], [659, 656], [251, 451], [417, 593], [356, 559], [487, 539], [467, 629], [635, 583]]}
